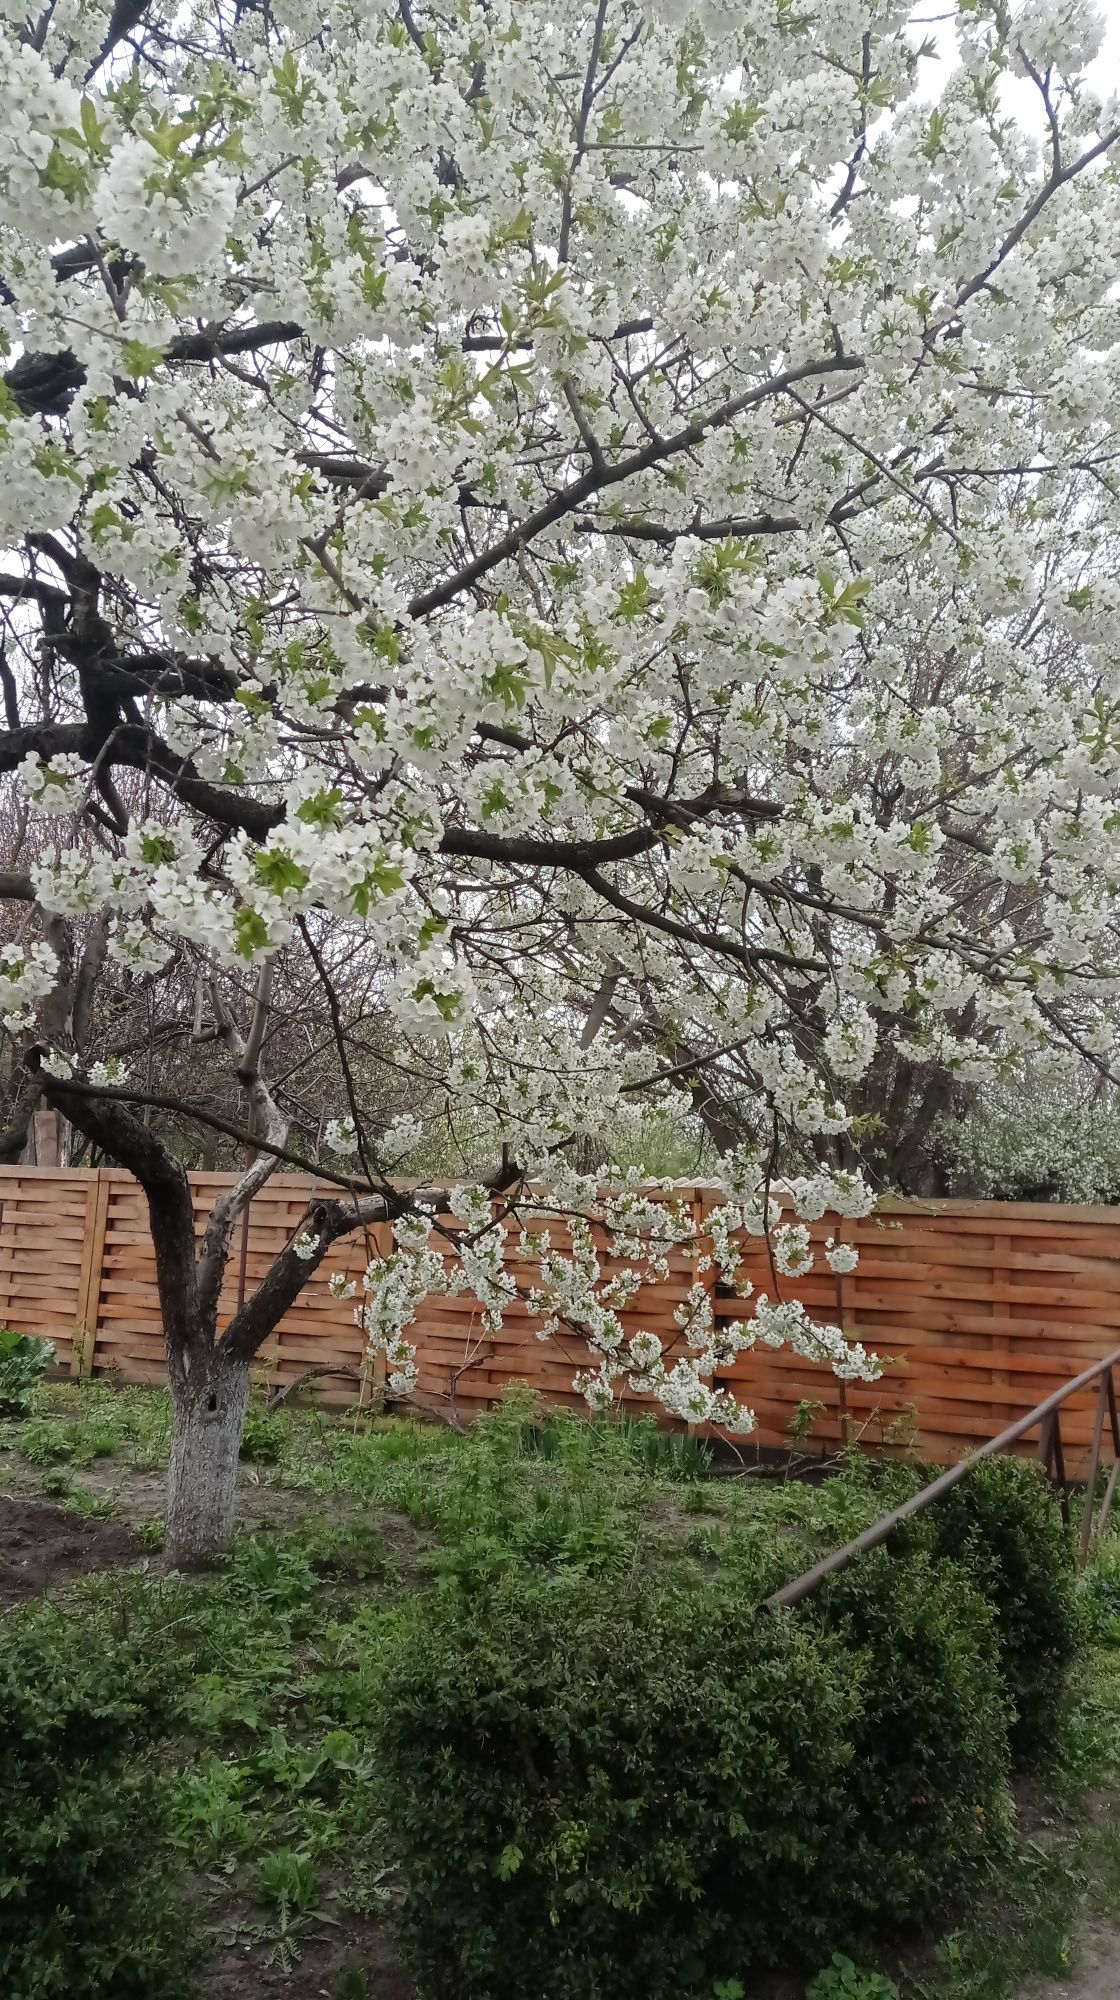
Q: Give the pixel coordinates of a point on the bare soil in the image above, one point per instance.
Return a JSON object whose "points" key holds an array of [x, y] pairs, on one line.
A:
{"points": [[42, 1545], [1097, 1975], [242, 1973]]}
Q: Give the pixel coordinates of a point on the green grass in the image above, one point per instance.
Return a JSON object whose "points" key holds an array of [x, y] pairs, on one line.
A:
{"points": [[82, 1421], [279, 1650]]}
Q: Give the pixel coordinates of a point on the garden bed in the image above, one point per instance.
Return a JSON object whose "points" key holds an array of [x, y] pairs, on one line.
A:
{"points": [[267, 1792], [43, 1545]]}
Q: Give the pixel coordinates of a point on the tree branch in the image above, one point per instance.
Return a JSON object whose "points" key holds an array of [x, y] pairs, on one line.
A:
{"points": [[597, 479], [264, 1117], [119, 1133], [288, 1274]]}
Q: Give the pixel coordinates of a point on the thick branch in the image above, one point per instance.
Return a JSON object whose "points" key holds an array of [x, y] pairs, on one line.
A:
{"points": [[575, 495], [119, 1133], [181, 1107], [727, 947], [92, 960], [279, 1289], [46, 384]]}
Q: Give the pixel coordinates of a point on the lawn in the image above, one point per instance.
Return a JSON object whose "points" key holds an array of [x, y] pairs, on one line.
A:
{"points": [[304, 1701]]}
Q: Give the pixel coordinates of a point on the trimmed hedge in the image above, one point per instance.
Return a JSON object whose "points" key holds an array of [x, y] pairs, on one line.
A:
{"points": [[89, 1906], [929, 1777], [629, 1793], [596, 1790], [1004, 1523]]}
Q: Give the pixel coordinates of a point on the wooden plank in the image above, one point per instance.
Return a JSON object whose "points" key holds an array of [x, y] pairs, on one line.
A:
{"points": [[89, 1295], [1023, 1212]]}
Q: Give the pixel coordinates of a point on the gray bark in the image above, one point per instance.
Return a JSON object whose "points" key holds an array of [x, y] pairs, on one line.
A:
{"points": [[209, 1413], [48, 1140]]}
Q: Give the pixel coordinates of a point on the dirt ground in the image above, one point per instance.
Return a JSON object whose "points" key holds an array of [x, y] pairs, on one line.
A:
{"points": [[139, 1496], [1097, 1977], [42, 1545], [241, 1973]]}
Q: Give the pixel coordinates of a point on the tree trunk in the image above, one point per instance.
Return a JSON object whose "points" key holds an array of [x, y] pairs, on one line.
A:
{"points": [[48, 1140], [209, 1414]]}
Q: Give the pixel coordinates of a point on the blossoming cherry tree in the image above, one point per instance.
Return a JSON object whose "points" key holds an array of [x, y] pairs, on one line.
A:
{"points": [[614, 506]]}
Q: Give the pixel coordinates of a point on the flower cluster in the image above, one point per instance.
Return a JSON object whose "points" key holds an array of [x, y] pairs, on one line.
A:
{"points": [[843, 1258], [582, 1289], [56, 787], [27, 975], [340, 1136]]}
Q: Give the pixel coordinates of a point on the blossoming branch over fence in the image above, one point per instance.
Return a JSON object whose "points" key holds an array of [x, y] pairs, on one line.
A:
{"points": [[979, 1308]]}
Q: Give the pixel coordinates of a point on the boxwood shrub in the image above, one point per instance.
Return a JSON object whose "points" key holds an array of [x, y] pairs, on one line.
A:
{"points": [[929, 1777], [89, 1906], [1004, 1523], [605, 1792]]}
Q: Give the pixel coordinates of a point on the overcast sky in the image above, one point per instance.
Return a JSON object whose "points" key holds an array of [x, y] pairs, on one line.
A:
{"points": [[1104, 73]]}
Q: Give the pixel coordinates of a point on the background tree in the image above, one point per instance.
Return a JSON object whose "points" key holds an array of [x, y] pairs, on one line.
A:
{"points": [[1047, 1131], [615, 507]]}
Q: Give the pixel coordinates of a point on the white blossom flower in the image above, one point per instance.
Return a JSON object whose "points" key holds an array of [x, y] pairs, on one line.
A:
{"points": [[173, 212], [109, 1075], [56, 787], [340, 1135], [27, 975], [132, 943], [655, 634], [400, 1137], [792, 1252]]}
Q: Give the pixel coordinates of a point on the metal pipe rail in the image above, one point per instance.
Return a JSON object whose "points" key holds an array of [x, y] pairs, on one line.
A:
{"points": [[1051, 1457]]}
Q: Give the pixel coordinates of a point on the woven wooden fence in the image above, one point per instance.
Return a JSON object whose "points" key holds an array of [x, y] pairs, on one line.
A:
{"points": [[77, 1267], [981, 1308]]}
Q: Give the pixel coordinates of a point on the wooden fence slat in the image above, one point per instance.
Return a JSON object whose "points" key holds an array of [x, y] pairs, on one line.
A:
{"points": [[89, 1295]]}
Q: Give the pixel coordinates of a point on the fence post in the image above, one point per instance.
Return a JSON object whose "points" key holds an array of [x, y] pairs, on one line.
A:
{"points": [[5, 1272], [373, 1375], [1001, 1310], [89, 1293]]}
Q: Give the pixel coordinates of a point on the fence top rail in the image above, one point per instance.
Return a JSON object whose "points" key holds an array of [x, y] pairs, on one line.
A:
{"points": [[810, 1581], [1107, 1217], [999, 1213]]}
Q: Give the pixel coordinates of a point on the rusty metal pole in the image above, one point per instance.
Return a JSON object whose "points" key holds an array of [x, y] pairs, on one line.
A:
{"points": [[1060, 1473], [871, 1538], [1094, 1471]]}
